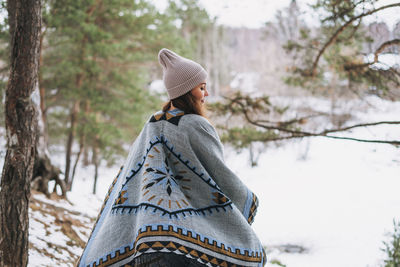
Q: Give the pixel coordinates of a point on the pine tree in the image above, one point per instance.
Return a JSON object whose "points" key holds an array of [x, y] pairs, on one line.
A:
{"points": [[332, 56], [96, 67]]}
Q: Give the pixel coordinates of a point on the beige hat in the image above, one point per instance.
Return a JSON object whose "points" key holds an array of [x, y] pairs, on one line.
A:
{"points": [[180, 74]]}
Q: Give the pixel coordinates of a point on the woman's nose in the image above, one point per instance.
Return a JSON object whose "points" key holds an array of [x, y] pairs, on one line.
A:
{"points": [[206, 92]]}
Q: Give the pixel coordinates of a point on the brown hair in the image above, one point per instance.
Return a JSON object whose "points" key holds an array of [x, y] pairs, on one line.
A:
{"points": [[187, 103]]}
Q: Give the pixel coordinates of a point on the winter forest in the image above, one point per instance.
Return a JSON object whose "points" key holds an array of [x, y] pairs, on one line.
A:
{"points": [[307, 106]]}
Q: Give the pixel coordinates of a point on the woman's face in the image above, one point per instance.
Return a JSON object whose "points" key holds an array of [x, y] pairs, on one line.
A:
{"points": [[200, 92]]}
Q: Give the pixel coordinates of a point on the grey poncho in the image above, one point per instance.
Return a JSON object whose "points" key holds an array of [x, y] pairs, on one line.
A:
{"points": [[175, 194]]}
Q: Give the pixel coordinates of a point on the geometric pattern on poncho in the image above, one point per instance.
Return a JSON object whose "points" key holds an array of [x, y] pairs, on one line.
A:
{"points": [[172, 116], [253, 209], [164, 176], [169, 233], [166, 186]]}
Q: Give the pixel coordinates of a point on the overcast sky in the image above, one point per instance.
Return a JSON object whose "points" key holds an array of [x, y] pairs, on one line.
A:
{"points": [[254, 13]]}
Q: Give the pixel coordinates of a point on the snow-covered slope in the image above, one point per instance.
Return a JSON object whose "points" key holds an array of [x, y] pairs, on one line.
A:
{"points": [[58, 229]]}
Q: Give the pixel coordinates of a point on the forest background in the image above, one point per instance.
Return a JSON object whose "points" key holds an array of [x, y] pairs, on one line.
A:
{"points": [[99, 79]]}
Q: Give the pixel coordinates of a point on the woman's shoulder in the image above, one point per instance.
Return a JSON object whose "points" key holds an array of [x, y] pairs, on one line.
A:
{"points": [[195, 119], [198, 124]]}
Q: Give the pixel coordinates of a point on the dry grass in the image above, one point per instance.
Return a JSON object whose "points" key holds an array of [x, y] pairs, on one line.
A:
{"points": [[74, 227]]}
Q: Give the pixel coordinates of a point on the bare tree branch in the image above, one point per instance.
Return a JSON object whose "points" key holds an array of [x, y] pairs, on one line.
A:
{"points": [[391, 142], [383, 46], [360, 125], [300, 120], [280, 126]]}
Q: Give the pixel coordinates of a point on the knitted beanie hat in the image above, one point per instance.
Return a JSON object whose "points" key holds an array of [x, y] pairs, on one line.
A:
{"points": [[180, 74]]}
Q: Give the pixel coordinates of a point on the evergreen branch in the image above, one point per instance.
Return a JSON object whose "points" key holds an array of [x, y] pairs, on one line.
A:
{"points": [[92, 8], [392, 77], [355, 28], [333, 38], [343, 12]]}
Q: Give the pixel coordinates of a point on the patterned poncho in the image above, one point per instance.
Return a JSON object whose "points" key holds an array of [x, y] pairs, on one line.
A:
{"points": [[175, 194]]}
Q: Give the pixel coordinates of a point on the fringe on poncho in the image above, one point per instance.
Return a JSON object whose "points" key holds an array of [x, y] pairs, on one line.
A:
{"points": [[175, 194]]}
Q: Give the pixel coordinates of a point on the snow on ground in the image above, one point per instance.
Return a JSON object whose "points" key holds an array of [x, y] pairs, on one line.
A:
{"points": [[58, 231], [247, 82], [338, 203]]}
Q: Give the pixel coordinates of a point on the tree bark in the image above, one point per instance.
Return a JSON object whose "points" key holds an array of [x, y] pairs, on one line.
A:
{"points": [[21, 129]]}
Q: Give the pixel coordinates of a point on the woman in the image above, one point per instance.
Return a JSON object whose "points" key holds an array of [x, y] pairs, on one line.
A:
{"points": [[174, 201]]}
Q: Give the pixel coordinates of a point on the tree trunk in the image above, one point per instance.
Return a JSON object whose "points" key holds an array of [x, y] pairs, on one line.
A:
{"points": [[21, 129], [95, 156], [43, 121], [81, 148], [43, 171], [86, 161], [70, 141], [96, 166]]}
